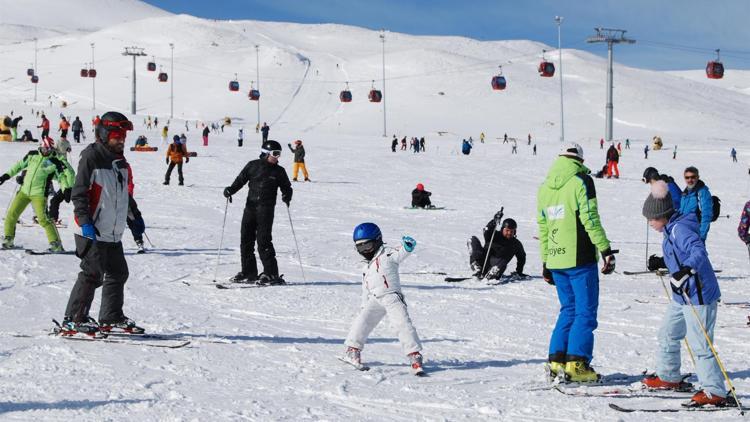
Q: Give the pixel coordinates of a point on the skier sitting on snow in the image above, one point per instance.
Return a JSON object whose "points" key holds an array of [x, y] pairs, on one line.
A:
{"points": [[420, 198], [141, 142], [502, 245], [692, 311], [381, 296]]}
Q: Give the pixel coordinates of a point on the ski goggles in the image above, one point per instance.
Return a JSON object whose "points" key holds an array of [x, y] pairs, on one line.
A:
{"points": [[275, 153], [123, 125], [365, 247]]}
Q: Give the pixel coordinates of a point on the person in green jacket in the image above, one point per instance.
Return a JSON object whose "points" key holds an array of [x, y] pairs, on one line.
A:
{"points": [[571, 237], [41, 166]]}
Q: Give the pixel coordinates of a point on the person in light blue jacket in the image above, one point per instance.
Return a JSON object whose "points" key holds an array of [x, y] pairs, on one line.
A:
{"points": [[694, 301], [696, 198]]}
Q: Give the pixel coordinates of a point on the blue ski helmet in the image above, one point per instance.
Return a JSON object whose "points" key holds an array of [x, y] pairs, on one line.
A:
{"points": [[367, 231]]}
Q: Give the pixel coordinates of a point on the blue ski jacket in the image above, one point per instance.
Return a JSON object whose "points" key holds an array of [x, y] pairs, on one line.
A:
{"points": [[698, 200]]}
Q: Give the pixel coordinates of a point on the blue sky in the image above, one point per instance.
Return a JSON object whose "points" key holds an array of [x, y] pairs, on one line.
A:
{"points": [[670, 34]]}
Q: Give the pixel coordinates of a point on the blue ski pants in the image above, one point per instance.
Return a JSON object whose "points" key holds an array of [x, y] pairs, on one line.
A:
{"points": [[578, 293]]}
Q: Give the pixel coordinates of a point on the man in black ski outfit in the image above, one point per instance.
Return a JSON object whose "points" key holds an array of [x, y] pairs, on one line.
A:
{"points": [[503, 247], [263, 177], [101, 204]]}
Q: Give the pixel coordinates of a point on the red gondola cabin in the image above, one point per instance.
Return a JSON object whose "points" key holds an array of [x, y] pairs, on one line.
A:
{"points": [[234, 86], [92, 73], [163, 77], [84, 73], [714, 70], [375, 96], [499, 83], [151, 66], [35, 79], [546, 69], [254, 95], [345, 96]]}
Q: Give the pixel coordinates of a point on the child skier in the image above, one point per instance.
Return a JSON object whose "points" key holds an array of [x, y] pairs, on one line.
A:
{"points": [[381, 296], [694, 300]]}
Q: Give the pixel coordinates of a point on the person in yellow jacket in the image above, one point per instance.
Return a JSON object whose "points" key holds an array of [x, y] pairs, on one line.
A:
{"points": [[40, 166], [175, 153], [299, 160]]}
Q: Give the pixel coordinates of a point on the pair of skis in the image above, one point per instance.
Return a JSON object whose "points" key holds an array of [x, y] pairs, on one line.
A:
{"points": [[364, 368]]}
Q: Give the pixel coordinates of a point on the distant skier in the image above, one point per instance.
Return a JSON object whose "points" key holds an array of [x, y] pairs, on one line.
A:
{"points": [[164, 134], [206, 131], [40, 166], [421, 144], [381, 296], [693, 307], [534, 150], [481, 137], [264, 130], [240, 137], [733, 154], [403, 144], [14, 127], [101, 201], [64, 126], [45, 127], [601, 143], [613, 158], [627, 143], [505, 138], [263, 178], [571, 237], [394, 143], [466, 147], [514, 147], [645, 152], [176, 152], [619, 148], [299, 160], [529, 138], [77, 127], [420, 198], [500, 247], [674, 153]]}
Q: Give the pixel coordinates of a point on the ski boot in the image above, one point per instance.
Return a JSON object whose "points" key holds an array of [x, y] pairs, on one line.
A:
{"points": [[294, 180], [493, 275], [126, 325], [55, 247], [139, 245], [166, 182], [307, 179], [70, 328], [353, 358], [653, 382], [703, 398], [242, 278], [181, 183], [416, 363], [555, 371], [271, 280], [8, 243], [580, 372]]}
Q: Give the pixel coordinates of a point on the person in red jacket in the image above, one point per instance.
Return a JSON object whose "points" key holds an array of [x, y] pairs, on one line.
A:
{"points": [[45, 127], [613, 157]]}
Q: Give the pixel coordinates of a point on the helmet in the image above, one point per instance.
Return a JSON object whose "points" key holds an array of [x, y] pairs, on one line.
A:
{"points": [[650, 174], [298, 142], [368, 239], [176, 139], [509, 223], [420, 186], [269, 146], [112, 122], [572, 150], [47, 144]]}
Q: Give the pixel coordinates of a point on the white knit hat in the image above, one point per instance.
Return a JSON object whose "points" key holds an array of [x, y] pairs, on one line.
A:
{"points": [[572, 150]]}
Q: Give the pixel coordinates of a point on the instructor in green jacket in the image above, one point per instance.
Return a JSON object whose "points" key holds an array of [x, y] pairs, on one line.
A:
{"points": [[571, 238], [41, 167]]}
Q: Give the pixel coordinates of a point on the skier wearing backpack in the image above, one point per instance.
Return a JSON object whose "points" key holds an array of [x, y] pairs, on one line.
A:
{"points": [[571, 237], [175, 153], [263, 178], [381, 296], [696, 198], [693, 307], [501, 246]]}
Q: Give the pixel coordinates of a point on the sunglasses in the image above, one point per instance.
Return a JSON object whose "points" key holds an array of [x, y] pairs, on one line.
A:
{"points": [[124, 125], [690, 177]]}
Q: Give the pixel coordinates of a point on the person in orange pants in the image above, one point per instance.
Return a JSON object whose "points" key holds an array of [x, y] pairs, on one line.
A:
{"points": [[299, 160], [613, 157]]}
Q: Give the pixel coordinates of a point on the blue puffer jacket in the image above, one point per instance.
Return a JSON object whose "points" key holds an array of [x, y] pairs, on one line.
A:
{"points": [[682, 247], [698, 200]]}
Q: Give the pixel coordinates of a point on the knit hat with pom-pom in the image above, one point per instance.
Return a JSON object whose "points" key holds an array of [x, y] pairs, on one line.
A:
{"points": [[659, 202]]}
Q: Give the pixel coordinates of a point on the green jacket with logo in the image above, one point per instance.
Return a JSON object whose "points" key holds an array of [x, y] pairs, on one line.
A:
{"points": [[40, 170], [570, 231]]}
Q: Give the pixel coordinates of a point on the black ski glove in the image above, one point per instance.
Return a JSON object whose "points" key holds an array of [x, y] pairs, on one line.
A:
{"points": [[547, 275], [609, 261], [166, 160], [228, 194], [67, 194], [187, 159], [682, 274], [655, 263], [499, 217], [4, 178]]}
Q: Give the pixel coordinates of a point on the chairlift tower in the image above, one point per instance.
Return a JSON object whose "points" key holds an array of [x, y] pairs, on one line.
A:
{"points": [[611, 37], [134, 52]]}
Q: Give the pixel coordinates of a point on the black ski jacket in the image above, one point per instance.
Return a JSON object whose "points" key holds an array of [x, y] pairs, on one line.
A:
{"points": [[263, 179], [420, 198], [77, 126], [299, 153], [505, 248]]}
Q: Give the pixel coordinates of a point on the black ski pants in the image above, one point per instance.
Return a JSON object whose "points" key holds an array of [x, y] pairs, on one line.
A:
{"points": [[478, 256], [169, 171], [77, 135], [54, 205], [102, 265], [257, 225]]}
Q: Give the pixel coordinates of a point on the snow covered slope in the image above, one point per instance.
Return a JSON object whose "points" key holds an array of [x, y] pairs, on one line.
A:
{"points": [[270, 353]]}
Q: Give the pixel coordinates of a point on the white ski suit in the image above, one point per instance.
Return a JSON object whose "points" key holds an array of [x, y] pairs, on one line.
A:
{"points": [[381, 295]]}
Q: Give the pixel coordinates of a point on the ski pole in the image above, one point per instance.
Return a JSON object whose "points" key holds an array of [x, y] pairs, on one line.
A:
{"points": [[647, 243], [669, 298], [713, 351], [299, 257], [492, 239], [149, 241], [221, 242]]}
